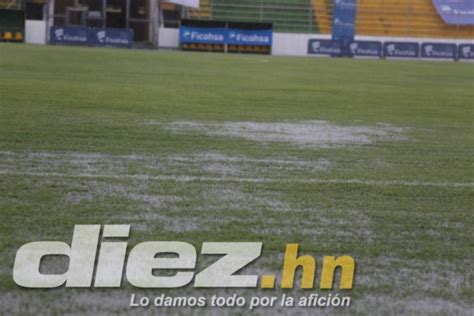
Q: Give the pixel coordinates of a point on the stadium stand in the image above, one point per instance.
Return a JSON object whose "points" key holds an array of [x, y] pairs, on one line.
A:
{"points": [[394, 18], [286, 15], [405, 18], [414, 18]]}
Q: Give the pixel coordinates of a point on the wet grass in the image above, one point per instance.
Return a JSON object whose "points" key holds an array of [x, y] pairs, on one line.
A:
{"points": [[413, 244]]}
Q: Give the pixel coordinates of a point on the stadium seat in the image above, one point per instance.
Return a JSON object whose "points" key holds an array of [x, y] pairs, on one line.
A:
{"points": [[19, 36], [7, 36], [322, 10]]}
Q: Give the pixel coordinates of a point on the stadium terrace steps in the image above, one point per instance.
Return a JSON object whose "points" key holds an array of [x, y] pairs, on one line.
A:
{"points": [[413, 18], [322, 10], [405, 18]]}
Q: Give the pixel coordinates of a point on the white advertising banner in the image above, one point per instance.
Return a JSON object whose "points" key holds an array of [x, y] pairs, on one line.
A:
{"points": [[186, 3]]}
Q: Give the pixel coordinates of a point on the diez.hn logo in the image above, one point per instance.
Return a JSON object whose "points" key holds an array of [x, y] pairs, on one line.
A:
{"points": [[100, 260]]}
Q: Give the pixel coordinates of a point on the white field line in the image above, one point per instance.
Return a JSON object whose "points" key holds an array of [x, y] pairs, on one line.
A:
{"points": [[239, 180], [210, 157]]}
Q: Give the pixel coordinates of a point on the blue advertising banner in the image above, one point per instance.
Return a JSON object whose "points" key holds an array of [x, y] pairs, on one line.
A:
{"points": [[69, 35], [325, 47], [250, 37], [343, 20], [225, 36], [91, 36], [401, 49], [203, 35], [458, 12], [438, 50], [365, 49], [466, 51], [111, 37]]}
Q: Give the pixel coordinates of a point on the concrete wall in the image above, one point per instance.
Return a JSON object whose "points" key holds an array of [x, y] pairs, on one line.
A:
{"points": [[294, 44], [168, 38], [284, 44], [35, 32], [291, 44]]}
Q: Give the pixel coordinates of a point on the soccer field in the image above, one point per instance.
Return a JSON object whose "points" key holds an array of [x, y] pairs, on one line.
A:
{"points": [[368, 158]]}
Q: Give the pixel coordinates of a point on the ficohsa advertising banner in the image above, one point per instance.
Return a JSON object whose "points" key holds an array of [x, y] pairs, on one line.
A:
{"points": [[401, 49], [69, 35], [325, 47], [111, 37], [250, 37], [91, 36], [210, 35], [466, 52], [215, 35], [438, 51], [364, 49]]}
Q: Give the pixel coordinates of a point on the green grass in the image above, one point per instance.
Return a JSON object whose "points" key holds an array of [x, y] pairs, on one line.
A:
{"points": [[413, 244]]}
